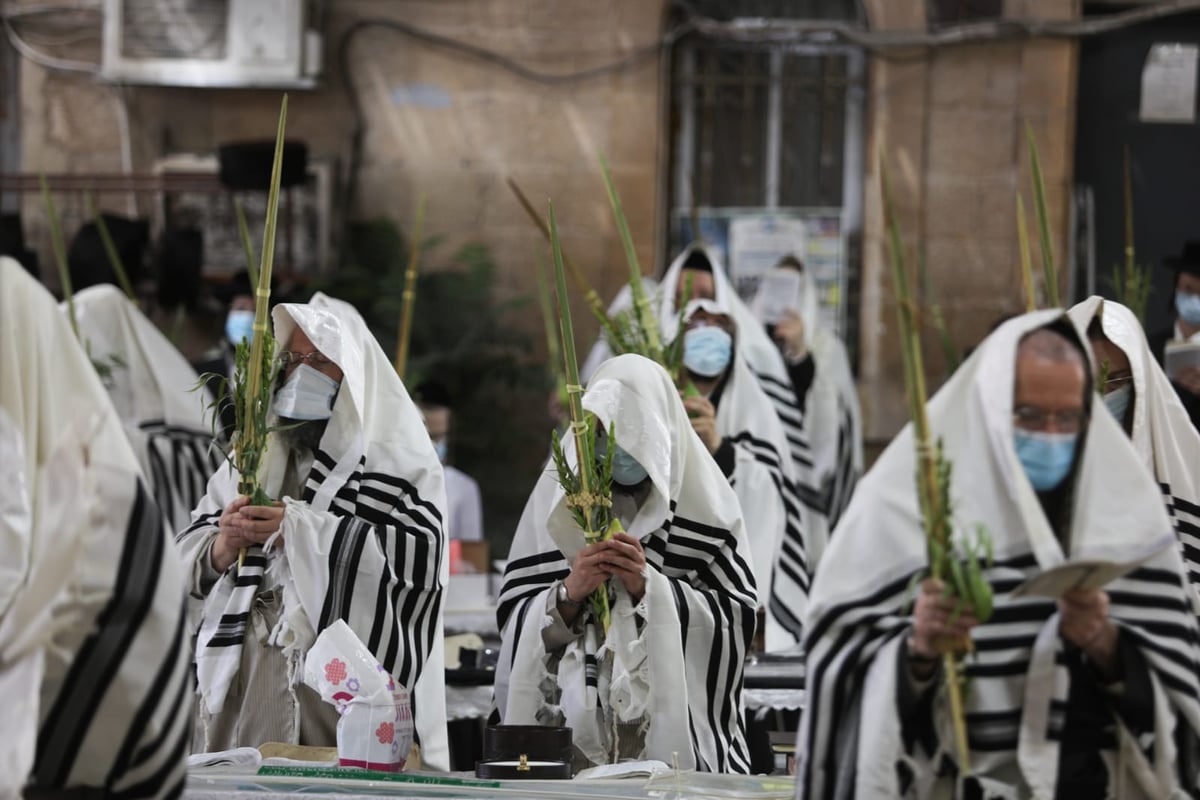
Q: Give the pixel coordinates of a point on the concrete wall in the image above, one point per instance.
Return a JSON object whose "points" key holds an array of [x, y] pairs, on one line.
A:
{"points": [[951, 124], [455, 141]]}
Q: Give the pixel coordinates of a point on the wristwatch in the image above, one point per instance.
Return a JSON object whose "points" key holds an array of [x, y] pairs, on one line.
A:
{"points": [[564, 599]]}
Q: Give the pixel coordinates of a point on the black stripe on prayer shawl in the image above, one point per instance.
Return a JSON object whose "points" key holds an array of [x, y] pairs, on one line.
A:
{"points": [[202, 522], [1185, 516], [344, 556], [408, 529], [840, 486], [160, 783], [181, 459], [682, 609], [102, 654], [591, 671], [126, 756], [525, 578]]}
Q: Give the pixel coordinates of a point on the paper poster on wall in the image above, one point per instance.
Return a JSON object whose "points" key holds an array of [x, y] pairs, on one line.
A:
{"points": [[758, 243], [1169, 83], [751, 241]]}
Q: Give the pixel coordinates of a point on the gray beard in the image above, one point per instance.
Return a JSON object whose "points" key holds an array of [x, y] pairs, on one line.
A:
{"points": [[302, 434]]}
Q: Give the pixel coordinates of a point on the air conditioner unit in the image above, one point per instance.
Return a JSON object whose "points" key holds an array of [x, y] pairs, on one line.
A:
{"points": [[210, 43]]}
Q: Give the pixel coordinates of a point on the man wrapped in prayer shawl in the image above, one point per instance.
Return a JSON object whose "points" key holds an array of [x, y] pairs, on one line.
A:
{"points": [[1140, 397], [1094, 694], [709, 282], [668, 676], [94, 664], [358, 536], [736, 422], [819, 369], [153, 389]]}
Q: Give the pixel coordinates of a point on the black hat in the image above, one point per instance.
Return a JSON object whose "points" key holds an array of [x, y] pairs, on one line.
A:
{"points": [[433, 393], [698, 260], [1188, 261]]}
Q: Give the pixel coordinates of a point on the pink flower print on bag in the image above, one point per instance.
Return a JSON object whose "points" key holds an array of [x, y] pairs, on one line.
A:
{"points": [[335, 671]]}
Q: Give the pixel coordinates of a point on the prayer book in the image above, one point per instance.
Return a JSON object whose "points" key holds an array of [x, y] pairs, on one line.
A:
{"points": [[779, 293], [1092, 574], [1179, 356]]}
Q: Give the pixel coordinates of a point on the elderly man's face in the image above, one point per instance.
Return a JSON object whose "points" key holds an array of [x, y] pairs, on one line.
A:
{"points": [[300, 345], [1049, 395], [703, 286]]}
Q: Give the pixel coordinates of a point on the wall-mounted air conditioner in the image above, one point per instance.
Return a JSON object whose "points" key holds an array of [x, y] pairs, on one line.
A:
{"points": [[210, 43]]}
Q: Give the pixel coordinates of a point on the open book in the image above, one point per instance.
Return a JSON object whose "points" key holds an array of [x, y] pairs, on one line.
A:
{"points": [[779, 292], [1180, 355], [1091, 574]]}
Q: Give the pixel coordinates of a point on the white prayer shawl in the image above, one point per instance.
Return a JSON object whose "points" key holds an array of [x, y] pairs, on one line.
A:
{"points": [[832, 415], [601, 351], [365, 542], [153, 388], [763, 357], [679, 678], [849, 739], [764, 482], [1162, 433], [93, 661]]}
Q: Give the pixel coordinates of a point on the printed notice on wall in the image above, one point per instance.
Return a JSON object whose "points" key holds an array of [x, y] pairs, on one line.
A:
{"points": [[1169, 83]]}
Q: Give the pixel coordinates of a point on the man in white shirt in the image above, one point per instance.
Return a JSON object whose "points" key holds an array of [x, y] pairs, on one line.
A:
{"points": [[465, 521]]}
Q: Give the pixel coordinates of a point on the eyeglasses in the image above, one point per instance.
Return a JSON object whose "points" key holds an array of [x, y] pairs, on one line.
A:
{"points": [[313, 359], [1037, 419], [1117, 382]]}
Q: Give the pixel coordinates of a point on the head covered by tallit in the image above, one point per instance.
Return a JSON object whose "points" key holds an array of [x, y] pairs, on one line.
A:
{"points": [[1161, 433], [832, 416], [765, 484], [154, 391], [858, 614], [365, 542], [93, 662], [678, 676], [760, 353]]}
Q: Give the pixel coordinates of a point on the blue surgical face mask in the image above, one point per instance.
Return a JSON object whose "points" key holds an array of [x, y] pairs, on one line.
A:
{"points": [[307, 394], [239, 325], [1046, 457], [1117, 402], [441, 448], [1188, 306], [707, 350], [626, 470]]}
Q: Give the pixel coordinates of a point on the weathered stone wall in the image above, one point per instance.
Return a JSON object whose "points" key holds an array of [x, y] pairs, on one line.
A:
{"points": [[951, 123]]}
